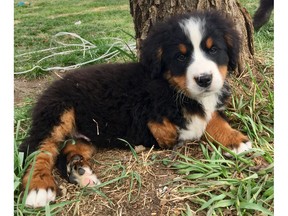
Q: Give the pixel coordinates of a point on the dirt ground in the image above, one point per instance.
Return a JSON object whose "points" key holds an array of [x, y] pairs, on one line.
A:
{"points": [[31, 88], [156, 194], [144, 185]]}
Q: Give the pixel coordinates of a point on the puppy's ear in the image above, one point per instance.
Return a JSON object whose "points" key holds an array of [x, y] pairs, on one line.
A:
{"points": [[151, 54], [152, 60], [233, 42]]}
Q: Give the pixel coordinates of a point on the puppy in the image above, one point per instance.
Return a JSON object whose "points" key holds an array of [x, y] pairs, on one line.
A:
{"points": [[175, 93]]}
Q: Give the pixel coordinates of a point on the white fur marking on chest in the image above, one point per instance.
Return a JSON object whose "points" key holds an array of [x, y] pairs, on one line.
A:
{"points": [[209, 104], [196, 124], [195, 129]]}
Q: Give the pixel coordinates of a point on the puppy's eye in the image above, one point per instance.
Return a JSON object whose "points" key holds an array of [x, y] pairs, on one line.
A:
{"points": [[181, 58], [213, 50]]}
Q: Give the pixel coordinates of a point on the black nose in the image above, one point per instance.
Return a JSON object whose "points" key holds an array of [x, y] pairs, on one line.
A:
{"points": [[204, 80]]}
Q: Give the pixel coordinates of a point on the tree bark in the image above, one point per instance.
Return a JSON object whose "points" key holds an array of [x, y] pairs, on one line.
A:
{"points": [[146, 13]]}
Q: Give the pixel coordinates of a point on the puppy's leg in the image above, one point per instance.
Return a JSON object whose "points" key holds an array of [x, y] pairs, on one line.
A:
{"points": [[164, 132], [42, 187], [220, 131], [75, 164]]}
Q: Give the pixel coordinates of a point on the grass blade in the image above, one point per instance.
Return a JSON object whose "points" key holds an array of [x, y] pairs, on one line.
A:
{"points": [[209, 202], [256, 207], [220, 204]]}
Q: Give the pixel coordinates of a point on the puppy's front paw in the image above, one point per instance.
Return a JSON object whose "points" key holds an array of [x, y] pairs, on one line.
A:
{"points": [[42, 189], [242, 147], [40, 197]]}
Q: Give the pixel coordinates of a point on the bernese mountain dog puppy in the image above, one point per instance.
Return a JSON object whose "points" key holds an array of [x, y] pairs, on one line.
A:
{"points": [[176, 92]]}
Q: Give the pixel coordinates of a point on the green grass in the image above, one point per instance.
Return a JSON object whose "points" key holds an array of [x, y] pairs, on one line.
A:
{"points": [[218, 184], [37, 25], [214, 183]]}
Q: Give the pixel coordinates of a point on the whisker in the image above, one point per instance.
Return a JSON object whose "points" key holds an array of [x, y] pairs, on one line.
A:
{"points": [[180, 97]]}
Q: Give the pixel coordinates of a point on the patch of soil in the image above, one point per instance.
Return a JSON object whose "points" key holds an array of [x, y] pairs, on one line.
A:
{"points": [[31, 88], [152, 191]]}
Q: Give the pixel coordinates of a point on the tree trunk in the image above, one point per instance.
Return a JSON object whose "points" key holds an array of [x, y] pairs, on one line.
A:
{"points": [[146, 13]]}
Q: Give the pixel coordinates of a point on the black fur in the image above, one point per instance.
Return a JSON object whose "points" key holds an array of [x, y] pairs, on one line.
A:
{"points": [[263, 13], [123, 98]]}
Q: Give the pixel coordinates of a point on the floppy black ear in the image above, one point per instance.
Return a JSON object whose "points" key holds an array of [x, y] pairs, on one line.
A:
{"points": [[225, 24], [151, 59], [233, 42], [151, 53]]}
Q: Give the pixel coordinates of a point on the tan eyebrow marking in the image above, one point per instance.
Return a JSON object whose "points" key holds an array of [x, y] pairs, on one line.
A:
{"points": [[209, 43], [183, 48]]}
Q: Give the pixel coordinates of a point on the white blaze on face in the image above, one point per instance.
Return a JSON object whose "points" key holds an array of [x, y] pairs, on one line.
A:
{"points": [[200, 64], [194, 29]]}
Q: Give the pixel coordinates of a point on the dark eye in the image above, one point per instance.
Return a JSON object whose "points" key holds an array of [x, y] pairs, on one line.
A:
{"points": [[181, 58], [213, 50]]}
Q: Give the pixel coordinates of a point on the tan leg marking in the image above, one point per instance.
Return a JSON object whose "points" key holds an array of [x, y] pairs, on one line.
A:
{"points": [[165, 133], [220, 131], [79, 148], [49, 149]]}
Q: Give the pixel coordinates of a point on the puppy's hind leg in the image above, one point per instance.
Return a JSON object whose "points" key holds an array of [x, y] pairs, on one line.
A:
{"points": [[42, 187], [74, 164]]}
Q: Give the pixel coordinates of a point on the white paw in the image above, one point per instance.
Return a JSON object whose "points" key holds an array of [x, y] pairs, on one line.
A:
{"points": [[87, 179], [80, 173], [242, 148], [40, 198]]}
